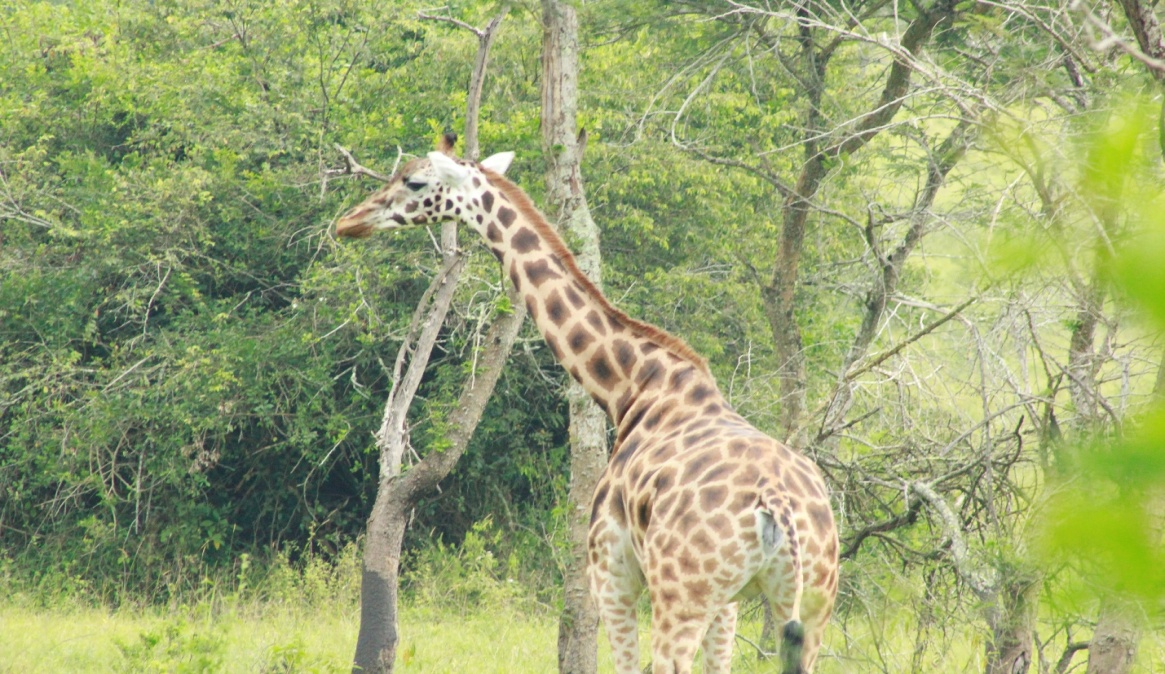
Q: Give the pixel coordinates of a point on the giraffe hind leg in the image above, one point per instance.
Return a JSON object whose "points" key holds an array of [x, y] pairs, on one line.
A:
{"points": [[718, 641], [675, 638]]}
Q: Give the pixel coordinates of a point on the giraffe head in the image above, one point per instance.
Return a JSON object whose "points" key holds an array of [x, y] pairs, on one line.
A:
{"points": [[425, 191]]}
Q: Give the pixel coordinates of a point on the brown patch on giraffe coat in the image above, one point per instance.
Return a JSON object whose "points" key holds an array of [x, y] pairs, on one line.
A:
{"points": [[669, 547], [650, 374], [596, 322], [720, 524], [661, 411], [643, 513], [411, 206], [694, 439], [746, 478], [621, 406], [744, 500], [624, 355], [680, 378], [555, 309], [712, 497], [487, 201], [493, 233], [624, 453], [810, 489], [598, 500], [831, 548], [702, 541], [576, 300], [524, 240], [700, 393], [819, 517], [719, 472], [539, 271], [532, 307], [579, 339], [665, 478], [617, 507], [506, 216], [698, 590], [600, 368]]}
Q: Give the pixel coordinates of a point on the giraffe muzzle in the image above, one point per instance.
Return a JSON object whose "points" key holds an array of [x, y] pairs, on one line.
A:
{"points": [[355, 224]]}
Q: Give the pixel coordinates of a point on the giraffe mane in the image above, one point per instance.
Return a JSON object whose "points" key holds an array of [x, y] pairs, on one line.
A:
{"points": [[674, 345]]}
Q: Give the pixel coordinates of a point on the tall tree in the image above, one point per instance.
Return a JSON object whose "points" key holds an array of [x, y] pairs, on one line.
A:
{"points": [[566, 199], [397, 493]]}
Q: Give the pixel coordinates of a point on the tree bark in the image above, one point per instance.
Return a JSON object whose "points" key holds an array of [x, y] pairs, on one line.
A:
{"points": [[1113, 647], [1008, 596], [397, 494], [578, 624], [1011, 619]]}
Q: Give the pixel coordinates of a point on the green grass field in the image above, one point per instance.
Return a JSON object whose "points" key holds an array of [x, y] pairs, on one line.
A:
{"points": [[457, 618], [278, 638]]}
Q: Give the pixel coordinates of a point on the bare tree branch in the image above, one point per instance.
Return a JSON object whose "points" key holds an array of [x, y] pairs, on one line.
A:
{"points": [[353, 167], [980, 582]]}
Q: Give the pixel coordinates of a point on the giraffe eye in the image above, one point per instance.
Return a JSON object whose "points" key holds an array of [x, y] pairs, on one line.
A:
{"points": [[414, 185]]}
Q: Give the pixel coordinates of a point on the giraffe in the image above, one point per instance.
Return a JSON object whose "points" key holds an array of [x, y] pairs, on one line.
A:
{"points": [[695, 505]]}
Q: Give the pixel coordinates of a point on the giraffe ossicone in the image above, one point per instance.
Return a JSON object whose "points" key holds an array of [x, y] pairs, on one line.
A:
{"points": [[696, 505]]}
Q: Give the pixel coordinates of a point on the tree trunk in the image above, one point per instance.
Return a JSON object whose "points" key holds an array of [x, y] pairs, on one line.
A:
{"points": [[1012, 622], [379, 583], [579, 623], [396, 493], [1113, 647]]}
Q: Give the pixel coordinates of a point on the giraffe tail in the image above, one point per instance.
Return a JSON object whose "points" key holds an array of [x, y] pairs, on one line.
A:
{"points": [[779, 538], [792, 641]]}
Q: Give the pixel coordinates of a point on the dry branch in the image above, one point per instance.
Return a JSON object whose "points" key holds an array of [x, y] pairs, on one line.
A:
{"points": [[979, 581], [353, 167]]}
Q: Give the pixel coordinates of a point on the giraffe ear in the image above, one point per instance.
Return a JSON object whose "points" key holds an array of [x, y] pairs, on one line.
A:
{"points": [[448, 170], [498, 163]]}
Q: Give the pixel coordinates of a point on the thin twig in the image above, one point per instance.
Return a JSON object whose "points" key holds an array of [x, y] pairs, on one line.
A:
{"points": [[353, 167]]}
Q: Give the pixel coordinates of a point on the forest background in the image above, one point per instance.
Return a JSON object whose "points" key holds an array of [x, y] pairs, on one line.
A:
{"points": [[921, 241]]}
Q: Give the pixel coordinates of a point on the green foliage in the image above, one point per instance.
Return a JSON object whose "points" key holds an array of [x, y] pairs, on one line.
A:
{"points": [[177, 648], [1107, 518], [466, 578], [189, 367]]}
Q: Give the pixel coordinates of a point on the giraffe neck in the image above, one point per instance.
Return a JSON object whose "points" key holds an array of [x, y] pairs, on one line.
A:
{"points": [[620, 362]]}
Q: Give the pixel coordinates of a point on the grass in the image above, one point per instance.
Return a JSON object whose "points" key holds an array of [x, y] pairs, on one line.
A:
{"points": [[275, 637], [462, 614], [262, 639]]}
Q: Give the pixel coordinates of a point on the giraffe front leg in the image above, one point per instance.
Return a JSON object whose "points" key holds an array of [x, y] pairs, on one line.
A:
{"points": [[615, 586], [718, 642]]}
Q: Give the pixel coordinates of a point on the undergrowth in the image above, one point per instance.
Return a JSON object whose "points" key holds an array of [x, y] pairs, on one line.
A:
{"points": [[283, 613]]}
